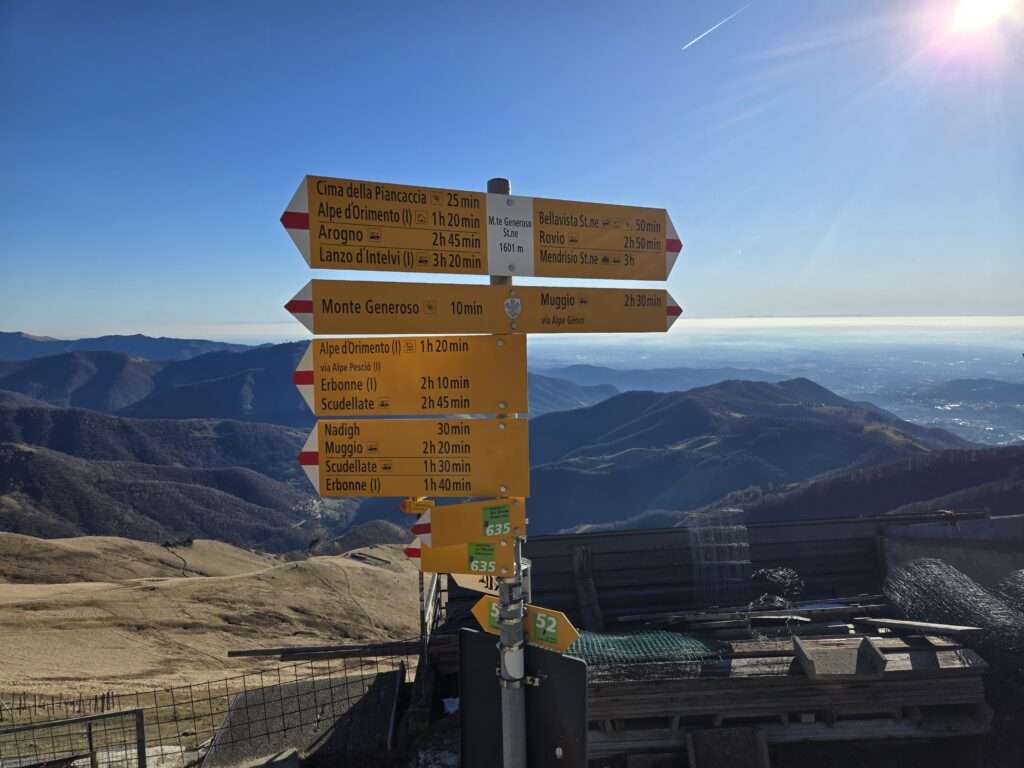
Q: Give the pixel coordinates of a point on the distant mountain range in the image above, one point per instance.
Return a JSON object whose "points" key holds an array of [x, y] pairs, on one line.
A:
{"points": [[682, 450], [69, 472], [656, 379], [101, 442], [23, 346], [249, 385], [990, 479]]}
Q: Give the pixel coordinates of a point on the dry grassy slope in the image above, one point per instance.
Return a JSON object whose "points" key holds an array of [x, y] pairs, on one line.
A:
{"points": [[154, 632], [28, 560]]}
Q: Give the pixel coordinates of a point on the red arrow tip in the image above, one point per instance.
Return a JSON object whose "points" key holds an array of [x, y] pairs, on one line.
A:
{"points": [[309, 458], [302, 377], [300, 307], [412, 552], [295, 220]]}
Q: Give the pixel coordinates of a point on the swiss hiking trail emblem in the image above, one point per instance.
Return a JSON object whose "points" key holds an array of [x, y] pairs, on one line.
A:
{"points": [[513, 306]]}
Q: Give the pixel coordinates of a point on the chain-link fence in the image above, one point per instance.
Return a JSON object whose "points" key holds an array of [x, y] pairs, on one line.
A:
{"points": [[221, 722]]}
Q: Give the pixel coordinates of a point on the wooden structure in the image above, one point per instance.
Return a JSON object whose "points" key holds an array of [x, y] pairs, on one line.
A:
{"points": [[931, 687], [832, 665], [606, 580]]}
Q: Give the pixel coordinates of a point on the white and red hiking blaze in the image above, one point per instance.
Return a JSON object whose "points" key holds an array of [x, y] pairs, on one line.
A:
{"points": [[309, 458], [296, 220], [303, 378]]}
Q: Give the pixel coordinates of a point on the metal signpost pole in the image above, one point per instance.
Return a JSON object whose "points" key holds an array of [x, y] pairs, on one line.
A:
{"points": [[511, 610]]}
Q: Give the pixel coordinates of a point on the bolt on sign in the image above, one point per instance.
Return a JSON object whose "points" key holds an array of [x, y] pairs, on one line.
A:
{"points": [[350, 306], [544, 628], [414, 375], [368, 225], [451, 524], [411, 457], [492, 558]]}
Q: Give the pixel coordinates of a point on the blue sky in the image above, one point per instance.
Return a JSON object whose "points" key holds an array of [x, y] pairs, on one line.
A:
{"points": [[818, 158]]}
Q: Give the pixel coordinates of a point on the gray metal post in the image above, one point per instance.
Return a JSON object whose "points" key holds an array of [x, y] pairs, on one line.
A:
{"points": [[511, 612]]}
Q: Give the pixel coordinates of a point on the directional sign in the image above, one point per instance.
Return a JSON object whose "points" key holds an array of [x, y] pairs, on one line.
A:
{"points": [[477, 583], [488, 585], [617, 242], [367, 225], [349, 306], [413, 376], [348, 224], [407, 457], [492, 558], [544, 628], [415, 505], [472, 521]]}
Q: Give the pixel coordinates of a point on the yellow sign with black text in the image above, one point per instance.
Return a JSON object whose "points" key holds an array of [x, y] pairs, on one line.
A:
{"points": [[410, 457], [354, 307], [368, 225], [414, 375]]}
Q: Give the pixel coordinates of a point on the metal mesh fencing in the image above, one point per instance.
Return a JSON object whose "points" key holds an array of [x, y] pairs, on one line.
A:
{"points": [[929, 589], [598, 648], [112, 740], [720, 553], [1011, 589], [243, 716]]}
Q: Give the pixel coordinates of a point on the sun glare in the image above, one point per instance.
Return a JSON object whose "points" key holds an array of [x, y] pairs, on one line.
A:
{"points": [[974, 15]]}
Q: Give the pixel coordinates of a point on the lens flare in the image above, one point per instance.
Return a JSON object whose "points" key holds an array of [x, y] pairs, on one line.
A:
{"points": [[974, 15]]}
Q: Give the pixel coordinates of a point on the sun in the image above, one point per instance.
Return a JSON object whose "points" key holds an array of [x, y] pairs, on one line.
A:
{"points": [[975, 15]]}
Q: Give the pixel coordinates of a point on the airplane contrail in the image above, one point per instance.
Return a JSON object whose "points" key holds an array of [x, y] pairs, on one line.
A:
{"points": [[707, 32]]}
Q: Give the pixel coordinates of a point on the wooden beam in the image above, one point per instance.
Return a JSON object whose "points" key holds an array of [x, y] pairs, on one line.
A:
{"points": [[916, 626], [951, 725], [586, 592]]}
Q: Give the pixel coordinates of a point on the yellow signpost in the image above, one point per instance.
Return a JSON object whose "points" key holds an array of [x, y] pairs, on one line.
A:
{"points": [[487, 520], [486, 558], [544, 628], [410, 457], [369, 225], [348, 224], [349, 306], [415, 375]]}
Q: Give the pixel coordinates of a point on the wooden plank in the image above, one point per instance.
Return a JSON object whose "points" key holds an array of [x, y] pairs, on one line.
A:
{"points": [[767, 697], [936, 726], [727, 748], [814, 614], [894, 644], [586, 592], [913, 664], [561, 545], [917, 626]]}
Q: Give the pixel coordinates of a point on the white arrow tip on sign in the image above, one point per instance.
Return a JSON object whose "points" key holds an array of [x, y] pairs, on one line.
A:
{"points": [[295, 219], [413, 550], [673, 245], [309, 458], [301, 306], [672, 310]]}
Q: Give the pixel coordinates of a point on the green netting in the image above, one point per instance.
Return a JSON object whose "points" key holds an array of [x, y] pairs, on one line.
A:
{"points": [[641, 647]]}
